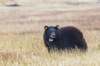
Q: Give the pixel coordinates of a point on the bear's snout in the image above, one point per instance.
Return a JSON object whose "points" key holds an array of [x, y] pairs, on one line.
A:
{"points": [[53, 35]]}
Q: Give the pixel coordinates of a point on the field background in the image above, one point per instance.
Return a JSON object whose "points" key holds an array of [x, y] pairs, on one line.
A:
{"points": [[22, 27]]}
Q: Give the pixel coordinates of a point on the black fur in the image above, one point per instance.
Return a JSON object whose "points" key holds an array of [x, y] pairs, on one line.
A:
{"points": [[64, 38]]}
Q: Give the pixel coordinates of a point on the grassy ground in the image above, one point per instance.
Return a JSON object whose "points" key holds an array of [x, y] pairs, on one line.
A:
{"points": [[29, 50], [50, 3], [21, 42]]}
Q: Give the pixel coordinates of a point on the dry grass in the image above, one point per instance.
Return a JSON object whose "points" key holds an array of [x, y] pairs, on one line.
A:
{"points": [[21, 42], [50, 3], [29, 50]]}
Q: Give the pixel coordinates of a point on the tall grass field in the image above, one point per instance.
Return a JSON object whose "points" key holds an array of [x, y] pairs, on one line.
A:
{"points": [[21, 37]]}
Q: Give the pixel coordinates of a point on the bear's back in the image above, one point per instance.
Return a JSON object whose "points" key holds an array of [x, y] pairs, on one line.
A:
{"points": [[71, 32]]}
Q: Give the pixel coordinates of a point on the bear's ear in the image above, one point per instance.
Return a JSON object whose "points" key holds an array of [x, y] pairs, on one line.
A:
{"points": [[45, 27], [57, 26]]}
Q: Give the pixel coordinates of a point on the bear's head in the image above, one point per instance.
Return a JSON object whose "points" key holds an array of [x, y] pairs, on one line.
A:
{"points": [[51, 33]]}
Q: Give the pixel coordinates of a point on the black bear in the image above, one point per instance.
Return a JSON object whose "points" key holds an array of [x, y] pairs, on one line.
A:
{"points": [[64, 38]]}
